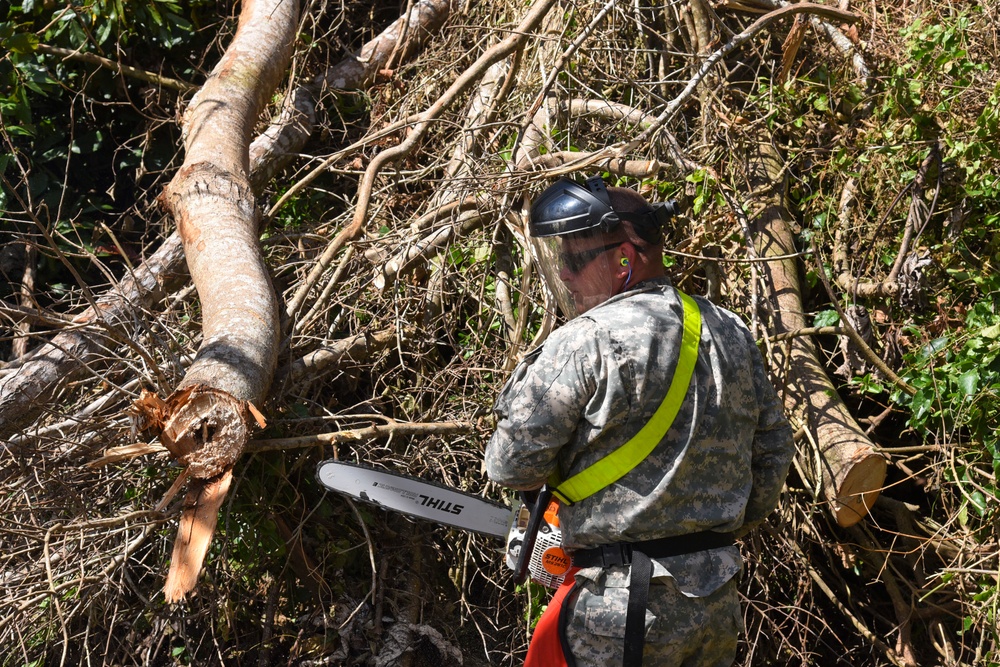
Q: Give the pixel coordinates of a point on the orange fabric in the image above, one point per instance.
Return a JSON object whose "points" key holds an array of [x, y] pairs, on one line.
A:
{"points": [[545, 649]]}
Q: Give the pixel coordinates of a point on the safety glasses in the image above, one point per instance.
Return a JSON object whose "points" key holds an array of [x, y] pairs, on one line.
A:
{"points": [[578, 261]]}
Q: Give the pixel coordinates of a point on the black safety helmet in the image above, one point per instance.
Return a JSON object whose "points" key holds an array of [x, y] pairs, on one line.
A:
{"points": [[566, 207]]}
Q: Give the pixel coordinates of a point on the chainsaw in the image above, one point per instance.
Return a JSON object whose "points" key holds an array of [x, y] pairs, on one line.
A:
{"points": [[530, 528]]}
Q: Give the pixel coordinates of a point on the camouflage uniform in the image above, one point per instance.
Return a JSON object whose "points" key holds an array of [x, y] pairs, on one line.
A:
{"points": [[593, 384]]}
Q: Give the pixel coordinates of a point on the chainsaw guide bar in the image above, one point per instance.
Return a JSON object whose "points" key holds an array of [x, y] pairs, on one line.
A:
{"points": [[416, 498]]}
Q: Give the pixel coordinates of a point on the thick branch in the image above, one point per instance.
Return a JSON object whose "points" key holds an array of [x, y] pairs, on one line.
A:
{"points": [[208, 419], [354, 435], [361, 347], [420, 250], [117, 68], [392, 429], [25, 393], [852, 471]]}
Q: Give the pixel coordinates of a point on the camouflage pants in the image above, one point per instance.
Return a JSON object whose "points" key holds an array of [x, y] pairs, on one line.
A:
{"points": [[681, 631]]}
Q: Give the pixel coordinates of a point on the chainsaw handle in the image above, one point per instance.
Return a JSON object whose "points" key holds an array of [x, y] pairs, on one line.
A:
{"points": [[531, 532]]}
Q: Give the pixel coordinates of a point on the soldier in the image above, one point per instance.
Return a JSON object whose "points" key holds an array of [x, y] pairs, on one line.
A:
{"points": [[650, 415]]}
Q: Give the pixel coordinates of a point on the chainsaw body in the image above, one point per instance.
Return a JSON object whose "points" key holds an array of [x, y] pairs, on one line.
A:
{"points": [[534, 544]]}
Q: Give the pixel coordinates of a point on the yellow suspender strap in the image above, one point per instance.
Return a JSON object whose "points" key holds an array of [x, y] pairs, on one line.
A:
{"points": [[618, 463]]}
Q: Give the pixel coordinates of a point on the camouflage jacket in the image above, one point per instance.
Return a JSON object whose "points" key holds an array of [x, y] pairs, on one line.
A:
{"points": [[598, 379]]}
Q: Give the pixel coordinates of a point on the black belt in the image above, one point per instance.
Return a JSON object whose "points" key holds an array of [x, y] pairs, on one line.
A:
{"points": [[620, 553], [638, 554]]}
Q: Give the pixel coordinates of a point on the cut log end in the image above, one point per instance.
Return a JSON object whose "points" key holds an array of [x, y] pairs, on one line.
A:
{"points": [[194, 534], [859, 490], [206, 430]]}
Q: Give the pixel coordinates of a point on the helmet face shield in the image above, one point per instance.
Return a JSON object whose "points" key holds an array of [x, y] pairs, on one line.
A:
{"points": [[583, 270]]}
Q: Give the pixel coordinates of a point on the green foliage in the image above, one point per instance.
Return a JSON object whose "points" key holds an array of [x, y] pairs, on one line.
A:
{"points": [[101, 27], [537, 598], [304, 209], [805, 102], [706, 191], [826, 318], [105, 23], [868, 384], [978, 156], [929, 96], [929, 89], [87, 140], [957, 403], [937, 54]]}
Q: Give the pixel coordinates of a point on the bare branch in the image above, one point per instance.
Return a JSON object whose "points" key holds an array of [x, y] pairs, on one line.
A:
{"points": [[118, 68]]}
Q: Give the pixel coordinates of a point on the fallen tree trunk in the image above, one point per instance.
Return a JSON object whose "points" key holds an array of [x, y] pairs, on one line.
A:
{"points": [[209, 417], [850, 471]]}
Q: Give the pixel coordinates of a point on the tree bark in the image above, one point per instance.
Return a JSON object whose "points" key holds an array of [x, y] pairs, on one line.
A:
{"points": [[851, 472], [209, 417]]}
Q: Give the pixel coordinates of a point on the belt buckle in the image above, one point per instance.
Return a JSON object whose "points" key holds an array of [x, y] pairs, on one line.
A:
{"points": [[619, 553]]}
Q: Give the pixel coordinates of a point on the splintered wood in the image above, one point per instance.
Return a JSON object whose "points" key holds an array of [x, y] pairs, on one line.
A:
{"points": [[206, 430], [194, 534]]}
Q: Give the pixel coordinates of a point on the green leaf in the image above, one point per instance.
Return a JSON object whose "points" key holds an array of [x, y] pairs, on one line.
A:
{"points": [[968, 382], [978, 501], [21, 42], [921, 404], [699, 203], [20, 130], [826, 318], [103, 32], [967, 622], [869, 385], [38, 183], [992, 331], [932, 348], [155, 14]]}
